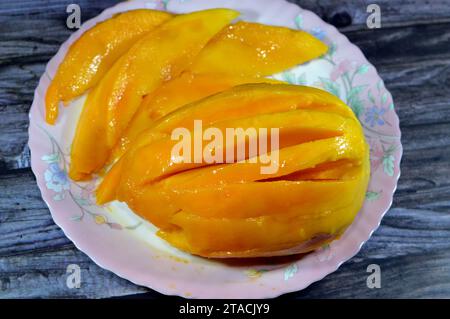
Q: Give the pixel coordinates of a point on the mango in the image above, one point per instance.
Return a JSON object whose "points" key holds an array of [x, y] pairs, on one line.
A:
{"points": [[171, 95], [157, 57], [232, 209], [241, 53], [253, 49], [238, 102], [91, 56]]}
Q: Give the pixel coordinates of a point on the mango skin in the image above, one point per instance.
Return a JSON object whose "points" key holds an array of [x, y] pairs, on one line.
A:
{"points": [[231, 210], [157, 57], [91, 56], [253, 49]]}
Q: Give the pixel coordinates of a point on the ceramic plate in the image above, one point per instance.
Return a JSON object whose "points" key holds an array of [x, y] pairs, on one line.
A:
{"points": [[121, 242]]}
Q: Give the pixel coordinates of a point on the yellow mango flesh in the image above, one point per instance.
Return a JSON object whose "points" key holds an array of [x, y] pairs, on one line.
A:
{"points": [[297, 212], [171, 95], [253, 49], [91, 56], [232, 210], [157, 57], [238, 102], [295, 127]]}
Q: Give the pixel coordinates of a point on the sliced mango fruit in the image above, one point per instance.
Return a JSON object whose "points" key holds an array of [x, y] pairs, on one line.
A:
{"points": [[91, 56], [253, 49], [238, 102], [233, 209], [157, 57], [152, 74], [171, 95]]}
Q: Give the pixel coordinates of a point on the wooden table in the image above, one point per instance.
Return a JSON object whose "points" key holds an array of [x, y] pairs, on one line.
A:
{"points": [[412, 53]]}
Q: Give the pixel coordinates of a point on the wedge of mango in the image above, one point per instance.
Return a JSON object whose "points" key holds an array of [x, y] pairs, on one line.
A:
{"points": [[159, 56], [91, 56], [233, 210]]}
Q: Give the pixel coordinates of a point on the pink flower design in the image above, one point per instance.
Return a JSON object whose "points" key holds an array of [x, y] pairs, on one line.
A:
{"points": [[376, 155], [342, 68]]}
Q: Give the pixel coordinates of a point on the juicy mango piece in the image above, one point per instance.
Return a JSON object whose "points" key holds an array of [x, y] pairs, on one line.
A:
{"points": [[171, 95], [253, 49], [91, 56], [295, 128], [232, 209], [157, 57], [238, 102]]}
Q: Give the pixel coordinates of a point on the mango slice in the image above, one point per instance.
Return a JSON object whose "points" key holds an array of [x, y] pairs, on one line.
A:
{"points": [[157, 57], [295, 127], [171, 95], [238, 102], [253, 49], [91, 56], [233, 209]]}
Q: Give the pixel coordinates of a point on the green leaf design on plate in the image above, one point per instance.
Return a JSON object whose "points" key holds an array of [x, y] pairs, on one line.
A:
{"points": [[290, 271], [388, 165], [59, 196], [370, 96], [299, 21], [384, 98], [371, 196], [362, 69], [51, 158], [288, 77], [330, 86]]}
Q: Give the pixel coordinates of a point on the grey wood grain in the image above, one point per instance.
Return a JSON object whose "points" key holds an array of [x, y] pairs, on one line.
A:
{"points": [[412, 54]]}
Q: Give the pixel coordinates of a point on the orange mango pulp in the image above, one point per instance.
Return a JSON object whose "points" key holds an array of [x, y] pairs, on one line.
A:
{"points": [[241, 101], [253, 49], [91, 56], [171, 95], [232, 210], [295, 127], [293, 47], [157, 57]]}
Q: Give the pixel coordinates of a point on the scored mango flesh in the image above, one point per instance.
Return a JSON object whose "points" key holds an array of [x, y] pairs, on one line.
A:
{"points": [[91, 56], [232, 209], [171, 95]]}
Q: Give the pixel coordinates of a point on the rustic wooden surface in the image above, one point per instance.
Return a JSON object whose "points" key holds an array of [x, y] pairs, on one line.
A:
{"points": [[412, 53]]}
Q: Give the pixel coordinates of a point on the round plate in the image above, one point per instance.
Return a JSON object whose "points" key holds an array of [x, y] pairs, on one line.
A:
{"points": [[121, 242]]}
